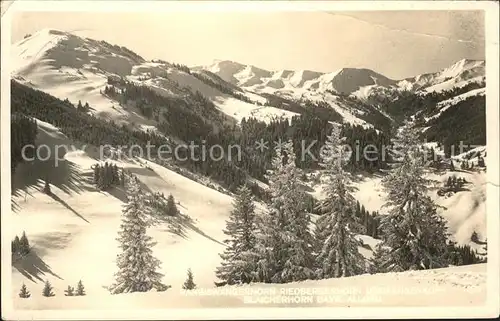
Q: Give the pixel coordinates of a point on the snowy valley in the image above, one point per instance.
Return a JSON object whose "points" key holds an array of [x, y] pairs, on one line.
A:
{"points": [[85, 93]]}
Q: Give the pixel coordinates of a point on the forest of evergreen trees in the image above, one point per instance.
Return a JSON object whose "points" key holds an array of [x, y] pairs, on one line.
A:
{"points": [[368, 146], [403, 104], [20, 246], [470, 116], [370, 221], [230, 174], [278, 247], [92, 130], [123, 51], [368, 113], [235, 92], [107, 176], [23, 132], [321, 110], [285, 249]]}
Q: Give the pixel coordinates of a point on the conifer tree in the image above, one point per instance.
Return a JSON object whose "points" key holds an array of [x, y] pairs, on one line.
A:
{"points": [[379, 262], [46, 188], [24, 245], [101, 177], [24, 293], [106, 176], [358, 209], [97, 172], [122, 176], [137, 267], [69, 291], [413, 231], [189, 283], [285, 245], [171, 207], [432, 155], [80, 290], [116, 177], [480, 161], [13, 247], [47, 289], [338, 254], [238, 259], [16, 245]]}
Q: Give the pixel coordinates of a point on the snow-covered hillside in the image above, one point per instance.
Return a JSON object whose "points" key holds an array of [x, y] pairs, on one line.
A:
{"points": [[73, 232], [457, 75], [360, 83], [464, 211], [343, 81], [68, 66], [357, 81]]}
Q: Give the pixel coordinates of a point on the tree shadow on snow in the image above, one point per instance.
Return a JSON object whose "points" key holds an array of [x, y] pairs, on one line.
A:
{"points": [[64, 175], [33, 267], [197, 230], [180, 223], [118, 193], [62, 202]]}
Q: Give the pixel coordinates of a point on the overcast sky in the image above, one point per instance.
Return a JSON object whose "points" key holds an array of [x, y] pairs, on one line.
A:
{"points": [[397, 44]]}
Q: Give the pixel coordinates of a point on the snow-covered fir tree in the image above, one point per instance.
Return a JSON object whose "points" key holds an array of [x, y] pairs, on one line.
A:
{"points": [[238, 259], [80, 290], [47, 289], [16, 246], [70, 291], [24, 244], [137, 267], [171, 207], [24, 293], [338, 254], [414, 233], [285, 242], [378, 261], [189, 283]]}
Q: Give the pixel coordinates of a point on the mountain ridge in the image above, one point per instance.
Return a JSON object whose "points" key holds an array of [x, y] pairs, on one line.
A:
{"points": [[275, 76], [74, 67]]}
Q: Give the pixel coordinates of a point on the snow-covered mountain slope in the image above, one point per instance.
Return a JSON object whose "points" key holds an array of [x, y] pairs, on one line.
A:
{"points": [[73, 232], [70, 232], [452, 102], [343, 81], [457, 75], [464, 211], [357, 81], [68, 66]]}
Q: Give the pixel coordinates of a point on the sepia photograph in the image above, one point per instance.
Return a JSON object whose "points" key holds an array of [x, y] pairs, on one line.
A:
{"points": [[249, 160]]}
